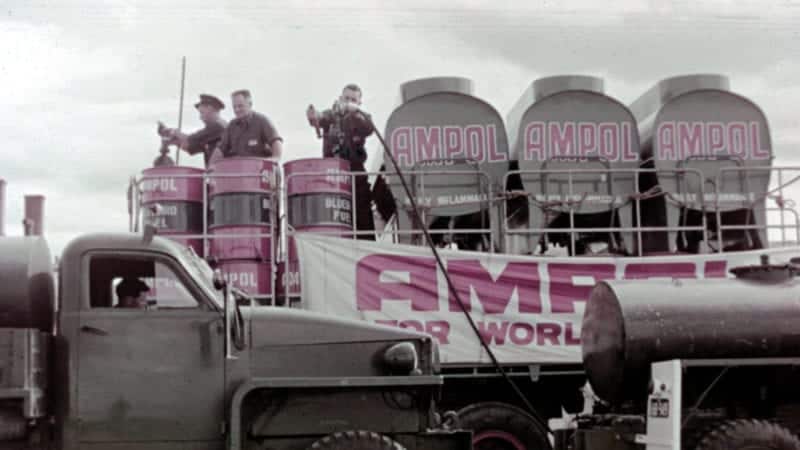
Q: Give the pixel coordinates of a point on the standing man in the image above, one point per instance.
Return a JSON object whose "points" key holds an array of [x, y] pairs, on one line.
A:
{"points": [[206, 139], [345, 129], [250, 133]]}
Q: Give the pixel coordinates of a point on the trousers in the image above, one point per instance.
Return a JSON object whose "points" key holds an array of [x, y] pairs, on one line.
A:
{"points": [[363, 203]]}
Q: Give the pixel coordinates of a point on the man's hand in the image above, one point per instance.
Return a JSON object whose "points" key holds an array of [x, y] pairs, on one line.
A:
{"points": [[313, 117]]}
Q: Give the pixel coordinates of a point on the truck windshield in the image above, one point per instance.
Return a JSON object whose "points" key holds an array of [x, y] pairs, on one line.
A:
{"points": [[201, 271]]}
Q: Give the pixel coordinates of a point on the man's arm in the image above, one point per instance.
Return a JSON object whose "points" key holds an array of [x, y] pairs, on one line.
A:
{"points": [[273, 141], [359, 124], [325, 119], [225, 145], [195, 143], [277, 149]]}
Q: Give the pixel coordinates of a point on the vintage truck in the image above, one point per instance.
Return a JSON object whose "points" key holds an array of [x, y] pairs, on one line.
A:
{"points": [[198, 368]]}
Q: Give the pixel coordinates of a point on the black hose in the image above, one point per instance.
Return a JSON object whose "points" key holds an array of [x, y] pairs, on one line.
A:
{"points": [[450, 286]]}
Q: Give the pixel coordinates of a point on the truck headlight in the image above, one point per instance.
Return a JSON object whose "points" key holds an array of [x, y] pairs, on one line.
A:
{"points": [[401, 358]]}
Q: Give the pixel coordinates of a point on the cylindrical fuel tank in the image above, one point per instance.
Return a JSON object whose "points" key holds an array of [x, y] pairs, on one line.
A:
{"points": [[26, 274], [577, 149], [629, 324], [319, 200], [243, 205], [179, 192], [451, 144], [712, 149]]}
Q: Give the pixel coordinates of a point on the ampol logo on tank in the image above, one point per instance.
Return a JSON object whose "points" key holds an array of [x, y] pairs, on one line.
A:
{"points": [[452, 145], [704, 139], [575, 148]]}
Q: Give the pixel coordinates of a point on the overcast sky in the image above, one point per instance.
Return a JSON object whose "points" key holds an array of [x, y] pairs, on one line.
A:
{"points": [[83, 82]]}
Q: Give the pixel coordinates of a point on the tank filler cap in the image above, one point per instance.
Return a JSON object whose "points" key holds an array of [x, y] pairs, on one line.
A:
{"points": [[767, 273]]}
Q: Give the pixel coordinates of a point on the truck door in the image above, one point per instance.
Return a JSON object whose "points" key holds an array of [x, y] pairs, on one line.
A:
{"points": [[150, 375]]}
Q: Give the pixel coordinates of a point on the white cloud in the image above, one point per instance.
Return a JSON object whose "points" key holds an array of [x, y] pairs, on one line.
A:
{"points": [[38, 59], [85, 81]]}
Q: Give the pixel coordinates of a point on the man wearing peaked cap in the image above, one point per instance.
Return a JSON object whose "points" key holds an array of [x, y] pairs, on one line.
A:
{"points": [[206, 139], [210, 100]]}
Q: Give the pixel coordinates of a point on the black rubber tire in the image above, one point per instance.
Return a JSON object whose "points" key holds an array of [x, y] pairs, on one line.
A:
{"points": [[749, 435], [356, 440], [497, 426]]}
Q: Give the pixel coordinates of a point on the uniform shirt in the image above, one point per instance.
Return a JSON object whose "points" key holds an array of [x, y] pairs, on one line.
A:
{"points": [[345, 136], [252, 135], [205, 140]]}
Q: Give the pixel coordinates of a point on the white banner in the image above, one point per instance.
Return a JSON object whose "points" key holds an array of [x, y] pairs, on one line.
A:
{"points": [[527, 308]]}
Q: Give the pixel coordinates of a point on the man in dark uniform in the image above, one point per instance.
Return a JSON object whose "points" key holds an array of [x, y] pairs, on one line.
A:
{"points": [[206, 139], [345, 129], [250, 133]]}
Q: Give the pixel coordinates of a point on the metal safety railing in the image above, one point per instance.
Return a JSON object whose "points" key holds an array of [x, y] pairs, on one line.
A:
{"points": [[498, 223], [696, 198], [777, 191], [573, 201], [427, 204], [204, 235]]}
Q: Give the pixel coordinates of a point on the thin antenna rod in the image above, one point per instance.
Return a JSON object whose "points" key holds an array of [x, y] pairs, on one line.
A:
{"points": [[180, 108]]}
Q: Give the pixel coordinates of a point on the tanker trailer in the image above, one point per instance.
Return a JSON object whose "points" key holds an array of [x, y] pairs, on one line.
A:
{"points": [[685, 364], [452, 147], [709, 152], [577, 150]]}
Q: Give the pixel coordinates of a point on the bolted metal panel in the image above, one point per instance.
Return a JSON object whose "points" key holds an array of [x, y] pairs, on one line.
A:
{"points": [[34, 215]]}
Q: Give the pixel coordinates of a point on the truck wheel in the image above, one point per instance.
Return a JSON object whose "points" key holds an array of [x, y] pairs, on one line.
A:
{"points": [[500, 426], [749, 435], [356, 440]]}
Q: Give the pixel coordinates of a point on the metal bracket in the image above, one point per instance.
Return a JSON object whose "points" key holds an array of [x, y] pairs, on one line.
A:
{"points": [[534, 370]]}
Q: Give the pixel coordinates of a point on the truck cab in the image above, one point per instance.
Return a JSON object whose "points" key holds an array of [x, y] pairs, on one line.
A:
{"points": [[196, 367]]}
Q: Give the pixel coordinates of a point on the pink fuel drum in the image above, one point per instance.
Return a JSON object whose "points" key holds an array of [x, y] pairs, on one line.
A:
{"points": [[252, 277], [319, 194], [234, 175], [242, 208], [319, 200], [178, 192]]}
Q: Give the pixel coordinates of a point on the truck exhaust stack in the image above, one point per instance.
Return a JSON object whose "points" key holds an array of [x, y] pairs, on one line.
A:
{"points": [[33, 222]]}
